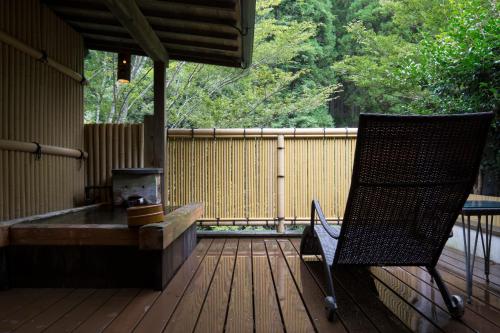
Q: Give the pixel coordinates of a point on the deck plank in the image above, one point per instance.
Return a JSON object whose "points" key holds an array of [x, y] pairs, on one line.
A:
{"points": [[478, 290], [459, 267], [14, 299], [213, 313], [80, 313], [361, 287], [311, 293], [429, 310], [54, 312], [187, 312], [240, 311], [480, 283], [159, 313], [295, 315], [100, 319], [267, 311], [480, 307], [479, 263], [29, 311], [260, 285], [348, 311], [470, 318], [134, 312]]}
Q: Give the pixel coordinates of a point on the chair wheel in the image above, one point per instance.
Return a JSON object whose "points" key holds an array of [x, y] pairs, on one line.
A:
{"points": [[458, 306], [331, 307]]}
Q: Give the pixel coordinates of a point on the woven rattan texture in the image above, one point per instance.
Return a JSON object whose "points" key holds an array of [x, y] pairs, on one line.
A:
{"points": [[411, 176]]}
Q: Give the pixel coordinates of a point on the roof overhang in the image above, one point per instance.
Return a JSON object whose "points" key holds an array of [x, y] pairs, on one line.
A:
{"points": [[218, 32]]}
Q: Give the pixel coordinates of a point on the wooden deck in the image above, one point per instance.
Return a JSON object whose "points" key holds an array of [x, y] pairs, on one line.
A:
{"points": [[242, 285]]}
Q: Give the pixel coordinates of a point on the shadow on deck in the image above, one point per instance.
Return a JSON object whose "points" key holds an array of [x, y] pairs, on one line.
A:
{"points": [[239, 285]]}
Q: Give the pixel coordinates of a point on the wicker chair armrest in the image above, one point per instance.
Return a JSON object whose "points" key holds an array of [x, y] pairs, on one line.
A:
{"points": [[316, 209]]}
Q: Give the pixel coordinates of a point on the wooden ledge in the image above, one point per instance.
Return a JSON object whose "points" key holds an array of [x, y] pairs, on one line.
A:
{"points": [[158, 236], [6, 225], [73, 234]]}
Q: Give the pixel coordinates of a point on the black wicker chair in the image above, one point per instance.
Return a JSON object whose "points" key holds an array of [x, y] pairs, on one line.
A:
{"points": [[411, 176]]}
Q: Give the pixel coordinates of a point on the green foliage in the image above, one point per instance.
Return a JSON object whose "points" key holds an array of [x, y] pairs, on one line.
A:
{"points": [[277, 89], [386, 56]]}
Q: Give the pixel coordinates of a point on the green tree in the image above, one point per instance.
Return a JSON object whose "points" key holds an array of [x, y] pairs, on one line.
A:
{"points": [[276, 90]]}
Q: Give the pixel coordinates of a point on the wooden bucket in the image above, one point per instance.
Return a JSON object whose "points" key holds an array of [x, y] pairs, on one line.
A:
{"points": [[142, 215]]}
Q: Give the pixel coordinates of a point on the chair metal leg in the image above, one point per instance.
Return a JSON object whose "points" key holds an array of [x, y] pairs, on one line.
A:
{"points": [[470, 254], [309, 245], [330, 300], [454, 303], [486, 243]]}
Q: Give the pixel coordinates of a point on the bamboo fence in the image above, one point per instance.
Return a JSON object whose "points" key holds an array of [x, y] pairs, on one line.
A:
{"points": [[110, 146], [244, 176], [260, 176], [40, 103]]}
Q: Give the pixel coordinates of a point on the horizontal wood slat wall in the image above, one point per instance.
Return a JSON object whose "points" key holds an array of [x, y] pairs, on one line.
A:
{"points": [[236, 176], [38, 103], [111, 146]]}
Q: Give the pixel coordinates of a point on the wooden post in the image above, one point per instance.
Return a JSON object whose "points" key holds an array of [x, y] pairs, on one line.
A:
{"points": [[281, 183], [154, 127]]}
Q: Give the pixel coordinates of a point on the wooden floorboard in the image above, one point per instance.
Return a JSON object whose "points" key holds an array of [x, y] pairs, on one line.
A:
{"points": [[471, 319], [213, 314], [75, 317], [263, 285], [361, 288], [459, 266], [268, 316], [159, 313], [479, 262], [348, 311], [480, 307], [311, 293], [295, 316], [429, 310], [32, 309], [101, 318], [134, 312], [187, 312], [240, 317], [43, 320]]}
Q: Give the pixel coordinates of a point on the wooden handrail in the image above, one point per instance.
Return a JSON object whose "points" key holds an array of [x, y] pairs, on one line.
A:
{"points": [[41, 56], [261, 132], [31, 147]]}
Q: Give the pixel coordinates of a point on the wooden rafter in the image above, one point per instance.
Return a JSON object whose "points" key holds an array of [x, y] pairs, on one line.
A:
{"points": [[131, 17]]}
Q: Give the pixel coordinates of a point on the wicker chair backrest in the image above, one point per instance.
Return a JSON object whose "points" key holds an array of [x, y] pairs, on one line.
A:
{"points": [[411, 176]]}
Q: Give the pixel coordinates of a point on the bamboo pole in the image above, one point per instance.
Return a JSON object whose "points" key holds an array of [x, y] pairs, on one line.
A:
{"points": [[30, 147], [39, 55], [281, 183], [262, 132]]}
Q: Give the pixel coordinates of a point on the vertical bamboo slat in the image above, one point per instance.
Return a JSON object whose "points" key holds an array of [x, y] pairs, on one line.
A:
{"points": [[39, 104], [237, 177], [111, 146]]}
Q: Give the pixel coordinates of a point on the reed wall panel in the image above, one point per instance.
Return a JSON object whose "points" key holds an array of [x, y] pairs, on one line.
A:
{"points": [[38, 103], [236, 177], [110, 146]]}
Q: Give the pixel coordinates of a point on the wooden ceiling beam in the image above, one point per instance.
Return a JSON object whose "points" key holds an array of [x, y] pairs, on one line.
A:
{"points": [[165, 37], [171, 47], [132, 19], [176, 25], [174, 55]]}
